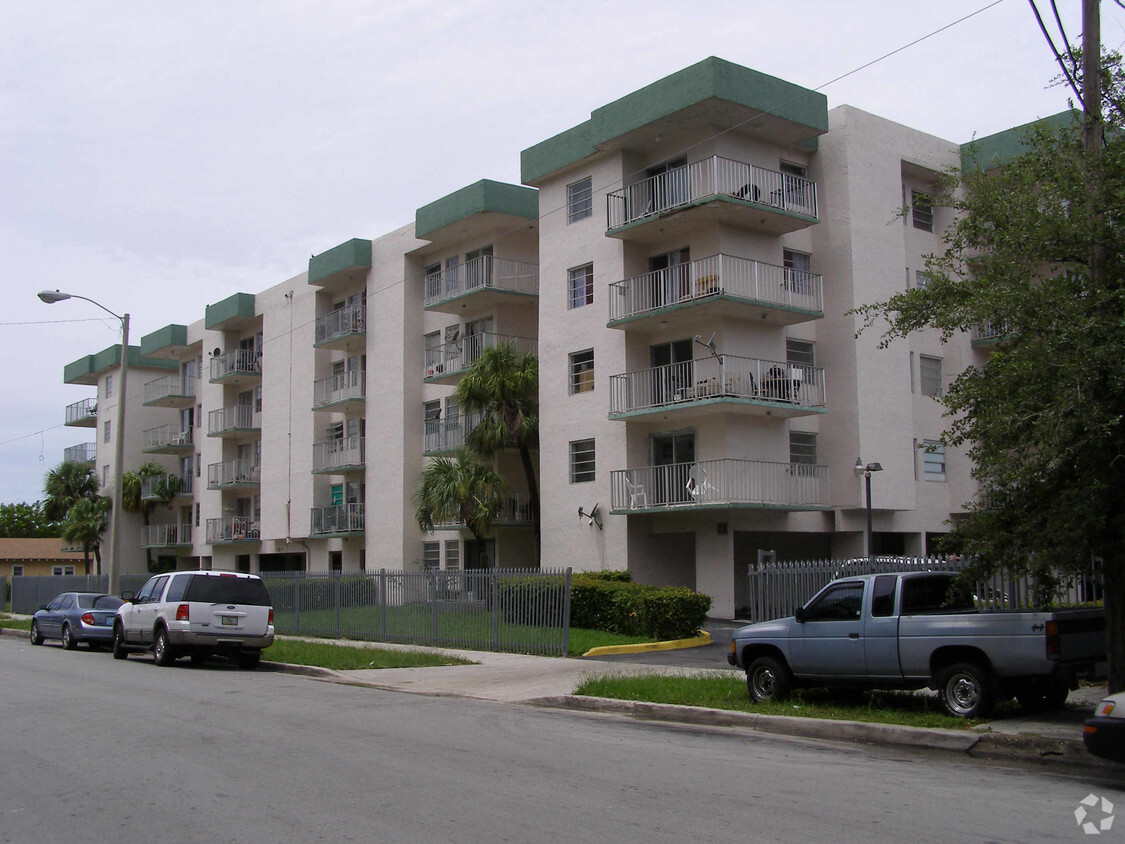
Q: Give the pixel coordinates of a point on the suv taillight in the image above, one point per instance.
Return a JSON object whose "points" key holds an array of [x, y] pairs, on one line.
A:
{"points": [[182, 613], [271, 615]]}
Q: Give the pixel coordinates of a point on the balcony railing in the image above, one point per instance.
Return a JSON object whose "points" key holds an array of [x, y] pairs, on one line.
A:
{"points": [[170, 387], [345, 322], [488, 271], [459, 355], [338, 518], [165, 536], [723, 376], [342, 387], [990, 332], [233, 529], [166, 487], [449, 433], [696, 281], [714, 176], [166, 437], [346, 452], [238, 417], [515, 512], [82, 413], [238, 362], [719, 483], [81, 453], [233, 473]]}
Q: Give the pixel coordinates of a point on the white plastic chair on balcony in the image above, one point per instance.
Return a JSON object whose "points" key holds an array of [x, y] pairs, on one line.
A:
{"points": [[637, 496], [697, 485]]}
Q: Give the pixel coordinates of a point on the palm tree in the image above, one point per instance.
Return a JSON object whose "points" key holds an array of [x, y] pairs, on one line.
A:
{"points": [[503, 387], [459, 488], [64, 486], [132, 484], [85, 523]]}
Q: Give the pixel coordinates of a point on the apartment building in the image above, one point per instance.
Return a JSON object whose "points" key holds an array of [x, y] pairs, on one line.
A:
{"points": [[683, 263]]}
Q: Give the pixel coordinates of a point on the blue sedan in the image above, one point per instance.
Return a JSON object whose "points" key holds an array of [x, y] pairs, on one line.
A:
{"points": [[74, 617]]}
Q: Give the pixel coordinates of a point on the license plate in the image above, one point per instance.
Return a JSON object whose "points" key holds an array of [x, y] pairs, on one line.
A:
{"points": [[230, 621]]}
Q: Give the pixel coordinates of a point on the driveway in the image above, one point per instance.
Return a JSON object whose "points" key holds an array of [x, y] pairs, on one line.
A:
{"points": [[705, 656]]}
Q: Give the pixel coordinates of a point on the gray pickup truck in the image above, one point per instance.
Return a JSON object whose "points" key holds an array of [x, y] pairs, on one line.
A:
{"points": [[920, 630]]}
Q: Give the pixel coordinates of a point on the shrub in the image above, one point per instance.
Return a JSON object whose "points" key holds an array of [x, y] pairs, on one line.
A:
{"points": [[633, 609]]}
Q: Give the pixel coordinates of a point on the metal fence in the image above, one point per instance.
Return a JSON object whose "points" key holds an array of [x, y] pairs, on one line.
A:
{"points": [[30, 593], [507, 610], [778, 587]]}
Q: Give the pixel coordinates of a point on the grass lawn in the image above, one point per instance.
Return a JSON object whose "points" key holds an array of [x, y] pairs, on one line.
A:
{"points": [[15, 623], [721, 692], [344, 657]]}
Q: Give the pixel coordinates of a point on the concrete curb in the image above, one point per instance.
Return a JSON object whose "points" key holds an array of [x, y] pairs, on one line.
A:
{"points": [[703, 638]]}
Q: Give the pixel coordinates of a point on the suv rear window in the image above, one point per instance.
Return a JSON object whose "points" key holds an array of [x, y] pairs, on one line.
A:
{"points": [[227, 590]]}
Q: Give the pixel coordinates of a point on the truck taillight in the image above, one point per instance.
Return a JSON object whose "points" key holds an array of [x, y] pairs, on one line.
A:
{"points": [[271, 615], [1052, 640], [182, 613]]}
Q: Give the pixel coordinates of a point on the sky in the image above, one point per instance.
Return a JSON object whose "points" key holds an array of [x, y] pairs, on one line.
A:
{"points": [[160, 157]]}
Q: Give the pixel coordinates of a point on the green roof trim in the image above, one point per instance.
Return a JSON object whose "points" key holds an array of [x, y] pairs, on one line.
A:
{"points": [[238, 306], [169, 335], [996, 150], [481, 197], [708, 79], [349, 255], [86, 369]]}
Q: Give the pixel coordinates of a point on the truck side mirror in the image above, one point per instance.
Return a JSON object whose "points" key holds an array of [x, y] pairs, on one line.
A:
{"points": [[799, 615]]}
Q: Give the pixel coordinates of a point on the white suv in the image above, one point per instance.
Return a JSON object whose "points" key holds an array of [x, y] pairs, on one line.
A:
{"points": [[196, 614]]}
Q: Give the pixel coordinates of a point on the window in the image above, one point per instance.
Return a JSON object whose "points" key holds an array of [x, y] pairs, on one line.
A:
{"points": [[580, 286], [106, 430], [108, 386], [582, 372], [798, 275], [921, 279], [197, 514], [105, 476], [799, 352], [883, 595], [933, 460], [922, 210], [62, 571], [839, 603], [335, 560], [802, 448], [581, 461], [453, 554], [431, 555], [17, 571], [579, 200], [929, 369]]}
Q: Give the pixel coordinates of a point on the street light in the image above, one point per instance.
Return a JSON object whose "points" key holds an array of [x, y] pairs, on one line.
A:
{"points": [[114, 569], [867, 469]]}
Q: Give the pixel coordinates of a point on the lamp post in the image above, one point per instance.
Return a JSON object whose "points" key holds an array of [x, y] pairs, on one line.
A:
{"points": [[867, 469], [114, 568]]}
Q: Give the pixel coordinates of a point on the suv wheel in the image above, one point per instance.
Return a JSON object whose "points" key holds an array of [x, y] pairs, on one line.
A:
{"points": [[119, 651], [162, 650], [248, 660]]}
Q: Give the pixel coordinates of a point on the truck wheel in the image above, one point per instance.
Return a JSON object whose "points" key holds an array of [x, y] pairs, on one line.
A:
{"points": [[768, 678], [965, 690]]}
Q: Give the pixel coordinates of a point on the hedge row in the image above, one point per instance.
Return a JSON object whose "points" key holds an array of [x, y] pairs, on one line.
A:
{"points": [[609, 601]]}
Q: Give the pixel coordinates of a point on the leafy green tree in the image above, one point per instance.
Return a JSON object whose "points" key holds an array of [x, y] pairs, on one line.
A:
{"points": [[26, 520], [65, 485], [503, 387], [85, 522], [132, 483], [459, 488], [1043, 419]]}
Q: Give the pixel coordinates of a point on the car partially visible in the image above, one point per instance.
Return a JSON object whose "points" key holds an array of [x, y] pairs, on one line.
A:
{"points": [[73, 617], [1104, 734]]}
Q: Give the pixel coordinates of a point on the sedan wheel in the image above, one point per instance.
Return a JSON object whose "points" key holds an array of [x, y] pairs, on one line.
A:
{"points": [[36, 636], [68, 640]]}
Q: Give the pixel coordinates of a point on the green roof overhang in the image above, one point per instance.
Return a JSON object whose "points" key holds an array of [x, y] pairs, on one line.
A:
{"points": [[340, 261], [485, 197]]}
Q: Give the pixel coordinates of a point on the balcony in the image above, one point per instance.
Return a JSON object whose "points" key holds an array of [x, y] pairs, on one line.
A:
{"points": [[236, 421], [82, 414], [343, 456], [710, 287], [234, 474], [448, 362], [336, 520], [233, 529], [337, 329], [450, 434], [81, 453], [488, 279], [516, 512], [988, 334], [171, 391], [342, 393], [720, 484], [165, 536], [720, 384], [238, 367], [166, 487], [167, 439], [715, 190]]}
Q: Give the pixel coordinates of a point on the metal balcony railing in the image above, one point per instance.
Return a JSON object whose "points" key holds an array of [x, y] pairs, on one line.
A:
{"points": [[238, 362], [85, 411], [233, 529], [729, 481], [345, 386], [81, 453], [459, 355], [346, 321], [177, 386], [162, 487], [338, 518], [449, 433], [338, 453], [486, 271], [516, 511], [722, 376], [164, 536], [695, 281], [714, 176], [233, 473], [164, 436], [238, 417]]}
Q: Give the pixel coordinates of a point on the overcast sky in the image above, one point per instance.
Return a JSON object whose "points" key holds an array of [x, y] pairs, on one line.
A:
{"points": [[159, 157]]}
